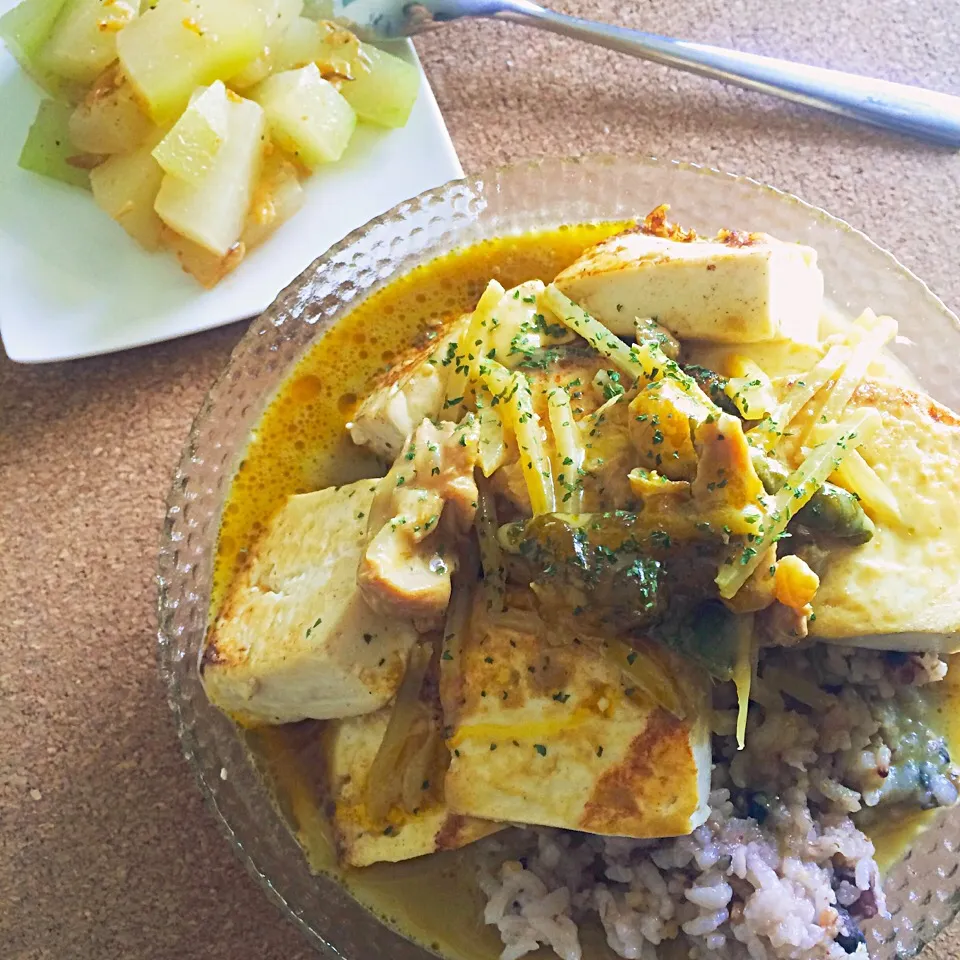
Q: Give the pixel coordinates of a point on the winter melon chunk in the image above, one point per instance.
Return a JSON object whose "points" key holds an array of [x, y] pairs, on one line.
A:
{"points": [[384, 88], [211, 211], [125, 187], [25, 29], [83, 41], [306, 114], [47, 149], [189, 150], [179, 45]]}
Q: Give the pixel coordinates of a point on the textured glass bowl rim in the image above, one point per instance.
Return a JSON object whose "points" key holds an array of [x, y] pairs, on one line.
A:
{"points": [[165, 639]]}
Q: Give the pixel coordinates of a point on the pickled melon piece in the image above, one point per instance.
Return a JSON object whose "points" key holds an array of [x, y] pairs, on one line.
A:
{"points": [[207, 268], [276, 198], [277, 14], [179, 45], [125, 186], [189, 150], [26, 27], [109, 118], [384, 88], [299, 44], [25, 30], [306, 115], [212, 210], [277, 17], [47, 149], [83, 41]]}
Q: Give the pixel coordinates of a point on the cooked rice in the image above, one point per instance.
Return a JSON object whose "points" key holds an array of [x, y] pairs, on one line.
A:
{"points": [[779, 870]]}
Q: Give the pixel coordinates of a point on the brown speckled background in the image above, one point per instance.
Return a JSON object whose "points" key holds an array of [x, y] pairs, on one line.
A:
{"points": [[106, 850]]}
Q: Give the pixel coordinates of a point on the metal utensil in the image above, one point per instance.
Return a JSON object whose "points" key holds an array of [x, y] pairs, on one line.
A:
{"points": [[913, 111]]}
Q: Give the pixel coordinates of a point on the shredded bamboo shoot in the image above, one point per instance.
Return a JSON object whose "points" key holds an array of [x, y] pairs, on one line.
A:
{"points": [[512, 392], [857, 476], [796, 491], [492, 450], [750, 389], [642, 361], [744, 672], [470, 350], [878, 332], [570, 451], [768, 432]]}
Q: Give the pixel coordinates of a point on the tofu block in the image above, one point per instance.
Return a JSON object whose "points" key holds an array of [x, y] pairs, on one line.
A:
{"points": [[548, 733], [351, 746], [738, 288], [901, 590], [412, 390], [294, 638]]}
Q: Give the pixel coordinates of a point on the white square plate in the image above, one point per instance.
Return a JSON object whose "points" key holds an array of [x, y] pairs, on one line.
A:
{"points": [[73, 284]]}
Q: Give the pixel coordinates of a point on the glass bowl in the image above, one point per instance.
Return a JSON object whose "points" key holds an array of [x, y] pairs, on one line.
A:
{"points": [[923, 889]]}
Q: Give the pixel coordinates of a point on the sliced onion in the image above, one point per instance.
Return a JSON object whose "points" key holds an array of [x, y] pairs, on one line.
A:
{"points": [[648, 671], [383, 778], [491, 556], [418, 768]]}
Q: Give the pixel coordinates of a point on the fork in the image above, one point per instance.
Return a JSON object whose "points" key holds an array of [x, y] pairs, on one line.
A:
{"points": [[912, 111]]}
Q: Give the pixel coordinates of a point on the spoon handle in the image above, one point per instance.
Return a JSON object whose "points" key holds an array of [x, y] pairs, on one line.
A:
{"points": [[913, 111]]}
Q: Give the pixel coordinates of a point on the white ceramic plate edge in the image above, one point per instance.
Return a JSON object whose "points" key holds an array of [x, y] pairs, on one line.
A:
{"points": [[72, 284]]}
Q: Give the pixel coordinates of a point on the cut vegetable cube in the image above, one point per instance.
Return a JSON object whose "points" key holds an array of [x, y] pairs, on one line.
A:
{"points": [[179, 45], [83, 42], [384, 88], [125, 186], [207, 268], [276, 198], [299, 44], [212, 211], [254, 72], [306, 114], [189, 150], [47, 149], [278, 13], [24, 30], [26, 27], [109, 119], [277, 17]]}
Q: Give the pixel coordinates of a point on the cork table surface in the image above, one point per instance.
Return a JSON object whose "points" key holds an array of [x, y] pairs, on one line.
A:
{"points": [[106, 850]]}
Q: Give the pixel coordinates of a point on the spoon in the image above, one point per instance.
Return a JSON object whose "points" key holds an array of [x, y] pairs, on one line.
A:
{"points": [[912, 111]]}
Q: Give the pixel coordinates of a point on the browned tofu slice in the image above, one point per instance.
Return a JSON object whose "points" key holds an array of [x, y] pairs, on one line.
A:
{"points": [[361, 840], [901, 590], [413, 389], [736, 288], [295, 639], [552, 734]]}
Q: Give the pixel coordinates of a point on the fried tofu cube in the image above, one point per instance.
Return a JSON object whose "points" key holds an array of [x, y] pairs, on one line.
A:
{"points": [[295, 639], [412, 390], [738, 288], [900, 590], [351, 746], [554, 735]]}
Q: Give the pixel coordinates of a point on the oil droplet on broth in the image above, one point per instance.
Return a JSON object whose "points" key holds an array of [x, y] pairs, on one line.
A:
{"points": [[300, 445]]}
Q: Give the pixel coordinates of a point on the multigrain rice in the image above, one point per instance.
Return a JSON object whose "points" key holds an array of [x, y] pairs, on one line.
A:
{"points": [[779, 870]]}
